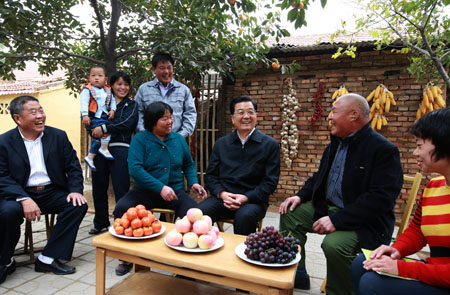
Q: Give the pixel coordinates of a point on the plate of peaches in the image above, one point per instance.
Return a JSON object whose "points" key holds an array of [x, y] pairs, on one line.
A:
{"points": [[194, 233], [137, 223]]}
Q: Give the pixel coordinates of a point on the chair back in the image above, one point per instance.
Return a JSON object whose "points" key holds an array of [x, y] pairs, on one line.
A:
{"points": [[415, 180]]}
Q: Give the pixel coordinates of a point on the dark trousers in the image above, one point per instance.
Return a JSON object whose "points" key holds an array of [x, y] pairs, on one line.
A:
{"points": [[120, 179], [370, 282], [149, 200], [245, 218], [51, 200]]}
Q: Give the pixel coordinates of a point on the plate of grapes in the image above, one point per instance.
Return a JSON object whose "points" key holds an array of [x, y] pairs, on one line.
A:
{"points": [[269, 248]]}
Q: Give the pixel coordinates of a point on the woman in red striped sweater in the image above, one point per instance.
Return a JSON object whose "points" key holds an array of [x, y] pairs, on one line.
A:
{"points": [[430, 225]]}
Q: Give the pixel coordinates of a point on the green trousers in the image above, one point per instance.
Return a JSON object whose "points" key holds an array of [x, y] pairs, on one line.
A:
{"points": [[339, 247]]}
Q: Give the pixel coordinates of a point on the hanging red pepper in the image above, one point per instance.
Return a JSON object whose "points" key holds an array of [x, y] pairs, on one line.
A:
{"points": [[318, 95]]}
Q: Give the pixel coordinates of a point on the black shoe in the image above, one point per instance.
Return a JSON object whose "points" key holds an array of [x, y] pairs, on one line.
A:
{"points": [[123, 268], [7, 270], [12, 267], [55, 267], [302, 283], [3, 273], [96, 231]]}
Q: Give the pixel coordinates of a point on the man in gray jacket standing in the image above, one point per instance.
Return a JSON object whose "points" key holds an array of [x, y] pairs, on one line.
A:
{"points": [[166, 89]]}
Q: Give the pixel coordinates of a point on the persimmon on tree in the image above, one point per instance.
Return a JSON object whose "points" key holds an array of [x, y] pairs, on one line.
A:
{"points": [[221, 35]]}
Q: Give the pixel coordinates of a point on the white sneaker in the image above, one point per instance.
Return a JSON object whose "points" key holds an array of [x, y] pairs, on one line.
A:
{"points": [[105, 153], [90, 163]]}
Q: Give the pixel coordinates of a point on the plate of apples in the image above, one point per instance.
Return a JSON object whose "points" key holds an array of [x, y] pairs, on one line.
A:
{"points": [[194, 233]]}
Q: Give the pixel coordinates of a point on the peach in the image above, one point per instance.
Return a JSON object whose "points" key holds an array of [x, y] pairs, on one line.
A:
{"points": [[205, 241], [183, 226], [200, 227], [174, 238], [194, 214], [213, 235], [208, 220], [190, 240], [215, 230]]}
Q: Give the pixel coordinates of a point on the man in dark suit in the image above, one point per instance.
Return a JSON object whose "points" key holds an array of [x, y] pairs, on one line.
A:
{"points": [[39, 172], [243, 170]]}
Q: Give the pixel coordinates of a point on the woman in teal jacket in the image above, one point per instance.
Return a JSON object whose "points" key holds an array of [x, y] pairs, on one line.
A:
{"points": [[157, 160]]}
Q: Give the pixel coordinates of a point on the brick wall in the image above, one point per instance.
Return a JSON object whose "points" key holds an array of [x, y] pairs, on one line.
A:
{"points": [[360, 75]]}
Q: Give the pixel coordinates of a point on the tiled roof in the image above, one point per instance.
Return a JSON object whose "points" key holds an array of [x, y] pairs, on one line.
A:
{"points": [[314, 43], [25, 87], [31, 81]]}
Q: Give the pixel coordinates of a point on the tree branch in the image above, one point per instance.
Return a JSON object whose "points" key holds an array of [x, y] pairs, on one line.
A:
{"points": [[132, 51], [67, 53], [94, 5]]}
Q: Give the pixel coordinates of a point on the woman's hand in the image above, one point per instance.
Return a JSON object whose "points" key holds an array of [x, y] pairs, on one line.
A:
{"points": [[385, 250], [97, 132], [384, 264], [168, 194], [199, 191]]}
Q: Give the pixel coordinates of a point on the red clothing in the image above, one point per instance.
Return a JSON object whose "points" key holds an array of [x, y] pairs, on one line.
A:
{"points": [[430, 225]]}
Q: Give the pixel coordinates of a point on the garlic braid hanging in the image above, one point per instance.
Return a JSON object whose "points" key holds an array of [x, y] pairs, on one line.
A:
{"points": [[289, 131]]}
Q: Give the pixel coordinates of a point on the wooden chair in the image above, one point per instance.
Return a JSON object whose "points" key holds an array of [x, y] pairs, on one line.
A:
{"points": [[28, 247], [410, 202], [403, 224], [168, 213], [221, 222]]}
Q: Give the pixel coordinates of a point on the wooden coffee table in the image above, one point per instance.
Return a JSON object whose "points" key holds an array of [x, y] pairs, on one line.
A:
{"points": [[220, 266]]}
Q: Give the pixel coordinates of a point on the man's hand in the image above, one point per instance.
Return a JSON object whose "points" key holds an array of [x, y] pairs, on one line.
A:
{"points": [[111, 114], [31, 210], [290, 203], [76, 198], [86, 121], [199, 190], [384, 263], [233, 201], [323, 226], [168, 194]]}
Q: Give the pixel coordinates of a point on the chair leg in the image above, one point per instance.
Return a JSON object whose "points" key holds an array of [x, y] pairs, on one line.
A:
{"points": [[220, 225], [323, 288]]}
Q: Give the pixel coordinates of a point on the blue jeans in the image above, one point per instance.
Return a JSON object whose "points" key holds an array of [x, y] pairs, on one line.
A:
{"points": [[96, 142], [369, 282]]}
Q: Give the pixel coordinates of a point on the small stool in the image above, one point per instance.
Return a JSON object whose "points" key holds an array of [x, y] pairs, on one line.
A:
{"points": [[28, 247], [168, 213], [221, 222]]}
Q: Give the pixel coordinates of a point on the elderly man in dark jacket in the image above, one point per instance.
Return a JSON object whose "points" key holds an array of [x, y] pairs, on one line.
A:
{"points": [[350, 198]]}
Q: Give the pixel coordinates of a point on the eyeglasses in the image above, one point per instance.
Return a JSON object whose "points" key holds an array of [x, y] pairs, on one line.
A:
{"points": [[241, 113]]}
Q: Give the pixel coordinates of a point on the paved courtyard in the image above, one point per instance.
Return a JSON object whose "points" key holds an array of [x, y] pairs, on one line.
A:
{"points": [[26, 281]]}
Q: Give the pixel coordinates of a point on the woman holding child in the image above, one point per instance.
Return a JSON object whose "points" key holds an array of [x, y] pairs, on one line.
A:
{"points": [[121, 128], [430, 225]]}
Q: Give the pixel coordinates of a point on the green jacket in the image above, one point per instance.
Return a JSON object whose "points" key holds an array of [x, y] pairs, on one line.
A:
{"points": [[154, 163]]}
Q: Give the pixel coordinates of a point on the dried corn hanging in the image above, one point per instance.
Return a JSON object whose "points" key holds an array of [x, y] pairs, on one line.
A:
{"points": [[383, 99], [431, 100]]}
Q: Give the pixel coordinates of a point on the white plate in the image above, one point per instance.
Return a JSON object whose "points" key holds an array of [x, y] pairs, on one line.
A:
{"points": [[239, 250], [111, 231], [219, 243]]}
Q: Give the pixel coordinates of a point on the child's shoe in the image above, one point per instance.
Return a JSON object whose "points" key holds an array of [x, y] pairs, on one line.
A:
{"points": [[90, 163], [105, 153]]}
